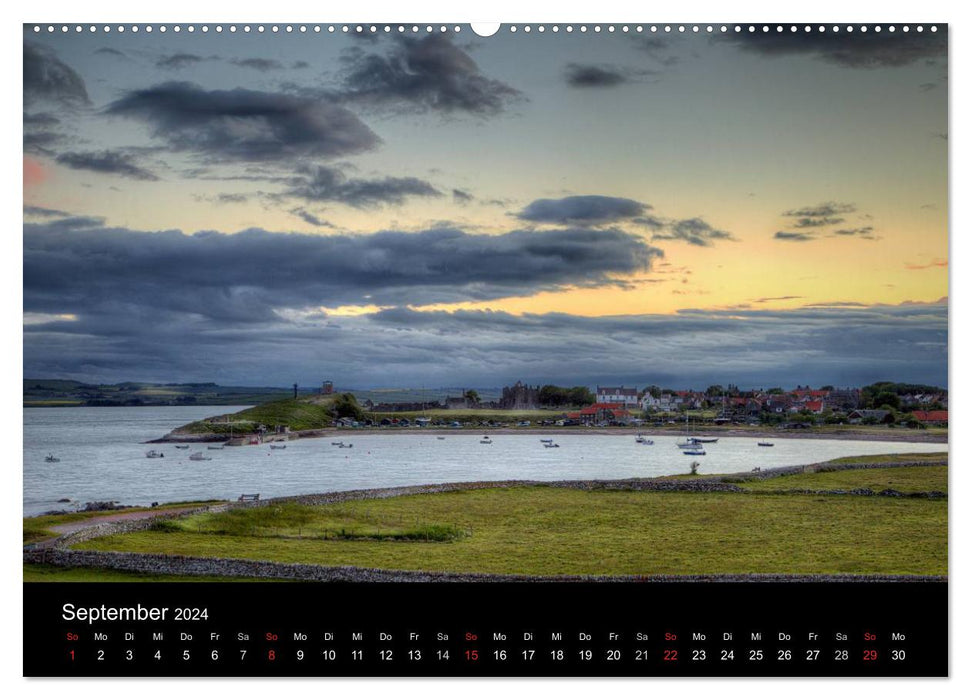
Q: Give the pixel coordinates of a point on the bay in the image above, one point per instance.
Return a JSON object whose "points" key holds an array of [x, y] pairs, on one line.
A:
{"points": [[102, 455]]}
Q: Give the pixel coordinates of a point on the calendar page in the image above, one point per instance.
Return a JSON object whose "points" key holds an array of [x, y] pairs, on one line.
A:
{"points": [[468, 350]]}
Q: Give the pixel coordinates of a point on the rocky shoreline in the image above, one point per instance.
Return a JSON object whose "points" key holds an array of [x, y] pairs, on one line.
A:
{"points": [[890, 435]]}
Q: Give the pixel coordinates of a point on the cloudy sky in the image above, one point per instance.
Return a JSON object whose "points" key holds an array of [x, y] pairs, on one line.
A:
{"points": [[447, 210]]}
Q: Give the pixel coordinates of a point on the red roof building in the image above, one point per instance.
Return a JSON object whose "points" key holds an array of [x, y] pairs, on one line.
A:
{"points": [[931, 416]]}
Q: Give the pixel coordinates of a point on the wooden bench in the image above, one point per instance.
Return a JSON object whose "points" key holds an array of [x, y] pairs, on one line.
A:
{"points": [[249, 497]]}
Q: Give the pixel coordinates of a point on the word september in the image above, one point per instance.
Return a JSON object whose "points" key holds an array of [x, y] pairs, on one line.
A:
{"points": [[139, 613]]}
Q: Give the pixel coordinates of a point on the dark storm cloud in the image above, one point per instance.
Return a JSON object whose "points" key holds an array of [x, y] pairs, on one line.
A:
{"points": [[657, 48], [108, 162], [461, 196], [826, 209], [429, 74], [655, 223], [324, 184], [178, 61], [44, 212], [793, 236], [401, 346], [310, 218], [818, 219], [222, 198], [41, 142], [261, 64], [856, 50], [72, 223], [40, 119], [595, 210], [48, 79], [248, 276], [231, 198], [42, 131], [809, 222], [862, 232], [582, 209], [695, 231], [245, 125], [590, 76]]}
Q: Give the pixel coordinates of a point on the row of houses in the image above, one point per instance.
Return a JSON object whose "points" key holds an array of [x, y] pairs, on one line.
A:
{"points": [[754, 404], [795, 401]]}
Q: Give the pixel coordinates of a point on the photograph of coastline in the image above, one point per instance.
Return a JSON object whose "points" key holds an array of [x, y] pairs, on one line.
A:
{"points": [[412, 304]]}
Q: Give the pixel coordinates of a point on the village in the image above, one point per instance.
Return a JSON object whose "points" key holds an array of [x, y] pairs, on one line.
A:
{"points": [[885, 403]]}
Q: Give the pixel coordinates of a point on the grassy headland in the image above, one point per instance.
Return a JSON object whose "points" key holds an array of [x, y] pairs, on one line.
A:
{"points": [[313, 413], [905, 480], [545, 530]]}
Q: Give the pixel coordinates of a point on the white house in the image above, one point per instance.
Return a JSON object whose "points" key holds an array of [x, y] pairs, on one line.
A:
{"points": [[649, 403], [617, 394]]}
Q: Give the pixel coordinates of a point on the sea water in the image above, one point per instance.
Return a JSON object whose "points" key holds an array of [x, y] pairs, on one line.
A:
{"points": [[102, 458]]}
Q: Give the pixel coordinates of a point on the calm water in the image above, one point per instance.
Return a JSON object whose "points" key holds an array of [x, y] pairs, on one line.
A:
{"points": [[102, 458]]}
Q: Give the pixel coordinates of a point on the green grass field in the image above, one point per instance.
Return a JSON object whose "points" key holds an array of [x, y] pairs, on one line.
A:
{"points": [[307, 413], [543, 530], [936, 457], [903, 479]]}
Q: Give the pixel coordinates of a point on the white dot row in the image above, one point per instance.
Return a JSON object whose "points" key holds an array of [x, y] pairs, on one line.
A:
{"points": [[710, 29], [401, 29], [246, 28]]}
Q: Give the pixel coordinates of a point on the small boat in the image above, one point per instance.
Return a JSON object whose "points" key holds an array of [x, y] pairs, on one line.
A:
{"points": [[215, 447], [646, 441], [274, 446], [766, 444], [696, 451], [550, 444], [181, 447], [704, 440], [154, 454], [347, 445], [51, 458], [689, 442], [546, 440], [486, 440], [338, 443], [440, 437], [199, 457]]}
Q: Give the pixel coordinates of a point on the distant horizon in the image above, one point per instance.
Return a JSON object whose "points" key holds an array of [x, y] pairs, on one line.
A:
{"points": [[311, 387]]}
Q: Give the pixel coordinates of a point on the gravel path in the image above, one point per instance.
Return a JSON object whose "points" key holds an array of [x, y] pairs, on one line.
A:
{"points": [[68, 528]]}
